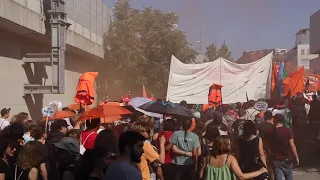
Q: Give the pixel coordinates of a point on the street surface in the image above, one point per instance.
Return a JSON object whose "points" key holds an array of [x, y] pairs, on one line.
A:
{"points": [[309, 168]]}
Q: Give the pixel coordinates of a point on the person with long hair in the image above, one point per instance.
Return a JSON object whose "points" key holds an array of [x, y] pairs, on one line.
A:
{"points": [[185, 147], [250, 149], [28, 163], [221, 165], [7, 149]]}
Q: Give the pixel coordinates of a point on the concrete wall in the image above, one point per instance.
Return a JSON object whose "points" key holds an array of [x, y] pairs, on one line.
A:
{"points": [[13, 75], [315, 33], [90, 19], [315, 65], [303, 57]]}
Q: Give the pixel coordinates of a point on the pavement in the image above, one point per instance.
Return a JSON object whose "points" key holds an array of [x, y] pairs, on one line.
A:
{"points": [[309, 154]]}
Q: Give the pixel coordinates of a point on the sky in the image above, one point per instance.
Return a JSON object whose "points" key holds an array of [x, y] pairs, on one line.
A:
{"points": [[244, 25]]}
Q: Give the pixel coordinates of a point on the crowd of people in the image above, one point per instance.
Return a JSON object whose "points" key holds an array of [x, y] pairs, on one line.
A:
{"points": [[233, 142]]}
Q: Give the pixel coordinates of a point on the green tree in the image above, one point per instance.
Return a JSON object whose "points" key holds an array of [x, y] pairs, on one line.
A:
{"points": [[139, 46], [213, 53]]}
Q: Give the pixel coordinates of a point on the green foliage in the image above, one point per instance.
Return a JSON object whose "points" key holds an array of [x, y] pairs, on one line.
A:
{"points": [[214, 53], [139, 46]]}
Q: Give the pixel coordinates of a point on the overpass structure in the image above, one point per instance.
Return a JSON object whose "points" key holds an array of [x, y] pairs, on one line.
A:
{"points": [[45, 45]]}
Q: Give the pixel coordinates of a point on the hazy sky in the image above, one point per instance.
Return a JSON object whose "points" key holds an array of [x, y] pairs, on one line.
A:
{"points": [[244, 24]]}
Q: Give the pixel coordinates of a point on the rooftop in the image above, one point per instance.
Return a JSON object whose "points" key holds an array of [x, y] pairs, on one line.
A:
{"points": [[303, 31]]}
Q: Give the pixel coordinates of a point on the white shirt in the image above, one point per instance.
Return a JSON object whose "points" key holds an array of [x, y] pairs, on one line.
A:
{"points": [[3, 123]]}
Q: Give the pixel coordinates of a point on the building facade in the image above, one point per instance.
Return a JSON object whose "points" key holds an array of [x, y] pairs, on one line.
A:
{"points": [[24, 28], [304, 56], [315, 41]]}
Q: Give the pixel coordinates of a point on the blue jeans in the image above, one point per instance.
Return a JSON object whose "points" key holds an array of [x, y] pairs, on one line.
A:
{"points": [[280, 169]]}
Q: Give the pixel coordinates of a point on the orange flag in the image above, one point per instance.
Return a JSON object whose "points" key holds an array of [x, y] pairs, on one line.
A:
{"points": [[274, 77], [294, 82], [144, 92]]}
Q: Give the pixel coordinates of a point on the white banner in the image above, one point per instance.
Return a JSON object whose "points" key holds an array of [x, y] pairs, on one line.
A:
{"points": [[191, 82]]}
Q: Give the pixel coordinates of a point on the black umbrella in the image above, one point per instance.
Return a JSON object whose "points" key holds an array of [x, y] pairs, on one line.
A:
{"points": [[167, 108]]}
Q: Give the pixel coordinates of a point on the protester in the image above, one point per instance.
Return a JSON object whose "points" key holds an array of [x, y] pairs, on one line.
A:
{"points": [[22, 117], [299, 115], [124, 167], [314, 116], [210, 135], [222, 165], [218, 122], [89, 136], [167, 167], [7, 149], [265, 126], [72, 121], [107, 140], [230, 116], [250, 151], [251, 112], [15, 132], [150, 157], [66, 158], [94, 162], [29, 125], [283, 150], [38, 136], [13, 119], [28, 163], [237, 126], [58, 131], [185, 147], [74, 133], [5, 114]]}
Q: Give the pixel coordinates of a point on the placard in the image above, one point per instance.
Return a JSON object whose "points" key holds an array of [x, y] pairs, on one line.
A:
{"points": [[48, 111], [261, 106]]}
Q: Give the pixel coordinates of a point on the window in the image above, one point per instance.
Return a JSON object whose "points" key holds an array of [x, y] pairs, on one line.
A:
{"points": [[302, 52], [305, 62]]}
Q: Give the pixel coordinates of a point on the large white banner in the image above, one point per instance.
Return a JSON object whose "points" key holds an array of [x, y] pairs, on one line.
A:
{"points": [[191, 82]]}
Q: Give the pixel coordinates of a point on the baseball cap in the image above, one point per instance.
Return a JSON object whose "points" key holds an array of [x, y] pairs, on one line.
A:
{"points": [[5, 111], [69, 144]]}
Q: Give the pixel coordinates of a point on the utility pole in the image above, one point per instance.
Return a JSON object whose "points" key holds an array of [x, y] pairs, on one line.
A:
{"points": [[200, 43], [201, 50]]}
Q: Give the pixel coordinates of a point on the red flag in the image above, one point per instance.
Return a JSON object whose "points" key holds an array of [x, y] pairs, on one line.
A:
{"points": [[294, 82], [274, 76], [144, 92]]}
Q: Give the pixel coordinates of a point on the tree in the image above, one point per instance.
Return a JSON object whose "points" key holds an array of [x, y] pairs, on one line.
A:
{"points": [[139, 45], [214, 53]]}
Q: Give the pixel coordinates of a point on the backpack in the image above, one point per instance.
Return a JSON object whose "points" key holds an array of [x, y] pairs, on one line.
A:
{"points": [[82, 148]]}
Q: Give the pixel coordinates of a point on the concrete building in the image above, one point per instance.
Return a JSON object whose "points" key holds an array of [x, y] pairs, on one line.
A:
{"points": [[303, 49], [315, 41], [24, 28]]}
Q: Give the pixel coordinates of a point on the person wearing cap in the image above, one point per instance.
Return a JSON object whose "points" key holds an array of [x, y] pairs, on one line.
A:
{"points": [[5, 113]]}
